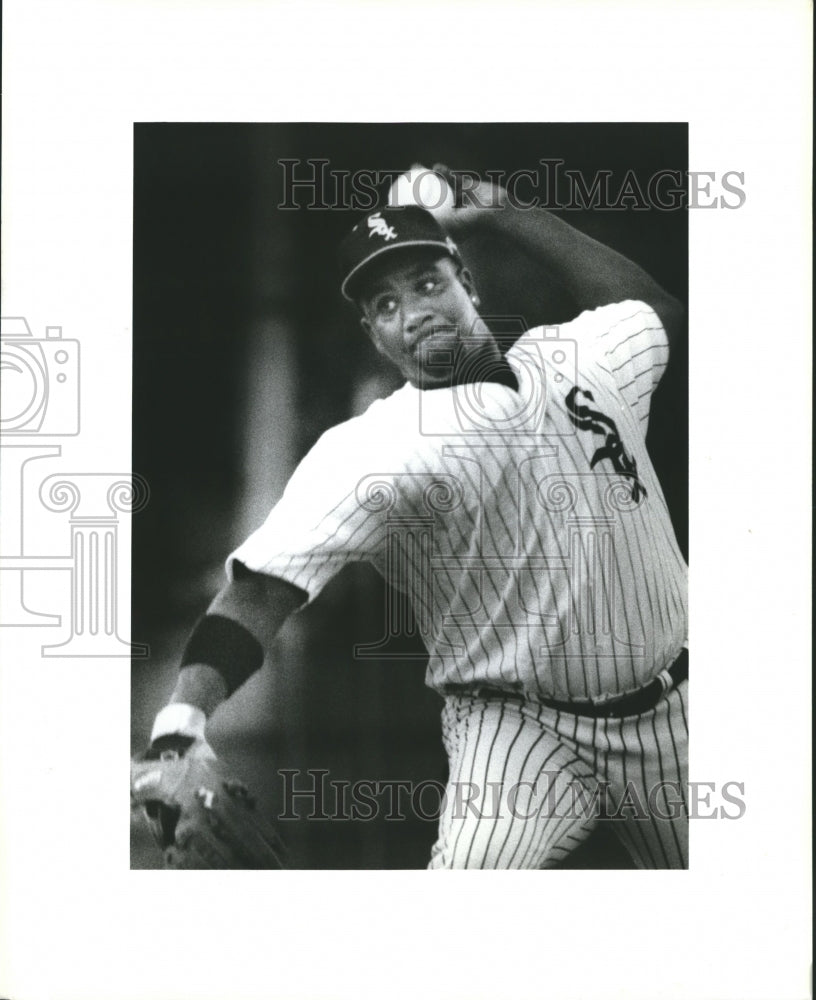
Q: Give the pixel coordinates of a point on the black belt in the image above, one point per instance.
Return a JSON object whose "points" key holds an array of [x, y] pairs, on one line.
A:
{"points": [[635, 703]]}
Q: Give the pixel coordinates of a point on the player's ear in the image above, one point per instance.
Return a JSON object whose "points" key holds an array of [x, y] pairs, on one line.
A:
{"points": [[467, 282]]}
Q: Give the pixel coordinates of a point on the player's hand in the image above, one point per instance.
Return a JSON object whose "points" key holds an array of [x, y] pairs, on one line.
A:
{"points": [[200, 814], [154, 779], [455, 201]]}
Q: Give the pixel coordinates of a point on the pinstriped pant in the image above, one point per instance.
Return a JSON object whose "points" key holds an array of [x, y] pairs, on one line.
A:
{"points": [[527, 784]]}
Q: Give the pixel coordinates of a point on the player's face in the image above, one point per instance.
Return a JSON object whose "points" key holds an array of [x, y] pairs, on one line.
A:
{"points": [[420, 309]]}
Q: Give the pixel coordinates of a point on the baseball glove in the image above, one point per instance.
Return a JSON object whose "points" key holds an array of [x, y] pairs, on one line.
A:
{"points": [[200, 814]]}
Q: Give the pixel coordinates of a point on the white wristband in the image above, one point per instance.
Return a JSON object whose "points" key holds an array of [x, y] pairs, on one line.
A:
{"points": [[178, 719]]}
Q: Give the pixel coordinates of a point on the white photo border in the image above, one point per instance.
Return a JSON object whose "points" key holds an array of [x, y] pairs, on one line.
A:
{"points": [[76, 922]]}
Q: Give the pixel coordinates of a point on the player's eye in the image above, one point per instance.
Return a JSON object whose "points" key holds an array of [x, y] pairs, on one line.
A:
{"points": [[427, 283], [386, 305]]}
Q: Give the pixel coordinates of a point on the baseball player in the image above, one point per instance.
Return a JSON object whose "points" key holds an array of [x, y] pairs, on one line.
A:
{"points": [[511, 497]]}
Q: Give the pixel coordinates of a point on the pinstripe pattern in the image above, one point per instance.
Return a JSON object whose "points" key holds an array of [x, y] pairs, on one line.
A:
{"points": [[556, 762], [493, 750], [533, 540], [533, 579]]}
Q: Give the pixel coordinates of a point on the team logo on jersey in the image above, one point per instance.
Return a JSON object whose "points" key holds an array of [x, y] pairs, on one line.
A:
{"points": [[587, 419], [378, 226]]}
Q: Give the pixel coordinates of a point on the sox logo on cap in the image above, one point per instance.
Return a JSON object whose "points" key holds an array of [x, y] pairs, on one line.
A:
{"points": [[378, 226]]}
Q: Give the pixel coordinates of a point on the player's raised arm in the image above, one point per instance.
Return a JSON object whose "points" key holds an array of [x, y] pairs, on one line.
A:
{"points": [[594, 274]]}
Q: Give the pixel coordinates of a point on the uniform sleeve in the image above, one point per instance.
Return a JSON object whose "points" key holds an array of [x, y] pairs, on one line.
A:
{"points": [[320, 524], [632, 346]]}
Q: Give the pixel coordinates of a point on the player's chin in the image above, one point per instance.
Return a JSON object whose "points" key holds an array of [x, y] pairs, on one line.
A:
{"points": [[434, 362], [432, 378]]}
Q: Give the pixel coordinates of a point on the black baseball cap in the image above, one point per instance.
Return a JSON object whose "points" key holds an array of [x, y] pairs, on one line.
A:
{"points": [[384, 231]]}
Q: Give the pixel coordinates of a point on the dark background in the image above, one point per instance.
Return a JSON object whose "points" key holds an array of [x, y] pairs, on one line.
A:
{"points": [[245, 352]]}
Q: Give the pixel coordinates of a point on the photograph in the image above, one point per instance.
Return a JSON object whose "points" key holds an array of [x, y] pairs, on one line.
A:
{"points": [[412, 404], [394, 401]]}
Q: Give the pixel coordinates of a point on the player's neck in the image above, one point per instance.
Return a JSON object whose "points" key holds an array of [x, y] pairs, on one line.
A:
{"points": [[498, 371]]}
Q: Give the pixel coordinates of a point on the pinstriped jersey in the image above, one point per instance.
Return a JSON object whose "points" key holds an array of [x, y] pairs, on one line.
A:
{"points": [[523, 532]]}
